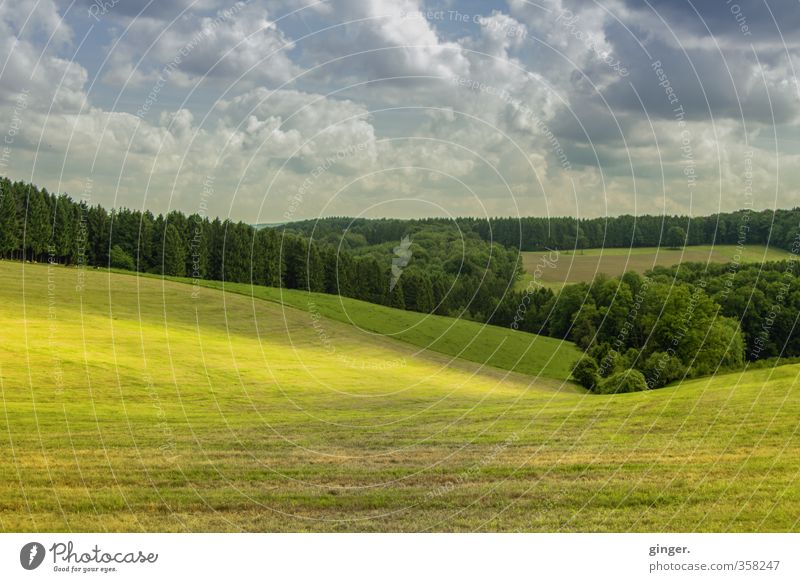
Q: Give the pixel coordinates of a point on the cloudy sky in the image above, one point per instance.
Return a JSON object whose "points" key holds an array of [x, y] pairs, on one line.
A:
{"points": [[267, 110]]}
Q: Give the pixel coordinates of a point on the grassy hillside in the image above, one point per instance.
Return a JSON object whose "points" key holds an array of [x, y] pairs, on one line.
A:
{"points": [[578, 266], [485, 344], [130, 405]]}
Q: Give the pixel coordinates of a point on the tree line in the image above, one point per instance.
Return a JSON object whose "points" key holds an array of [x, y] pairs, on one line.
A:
{"points": [[777, 228], [39, 226]]}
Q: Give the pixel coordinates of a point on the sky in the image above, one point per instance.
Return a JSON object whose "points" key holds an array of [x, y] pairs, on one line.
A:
{"points": [[270, 111]]}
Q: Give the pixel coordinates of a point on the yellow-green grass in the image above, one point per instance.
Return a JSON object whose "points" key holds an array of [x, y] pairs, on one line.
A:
{"points": [[489, 345], [583, 266], [131, 405]]}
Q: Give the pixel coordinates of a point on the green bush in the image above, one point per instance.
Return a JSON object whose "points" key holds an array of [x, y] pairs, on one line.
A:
{"points": [[661, 368], [621, 382], [120, 259], [586, 373], [612, 362], [632, 358]]}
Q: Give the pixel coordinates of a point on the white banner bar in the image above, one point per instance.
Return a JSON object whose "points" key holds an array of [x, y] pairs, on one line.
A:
{"points": [[400, 557]]}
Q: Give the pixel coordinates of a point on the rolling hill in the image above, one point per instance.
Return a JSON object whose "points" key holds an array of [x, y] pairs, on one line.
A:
{"points": [[490, 345], [129, 404]]}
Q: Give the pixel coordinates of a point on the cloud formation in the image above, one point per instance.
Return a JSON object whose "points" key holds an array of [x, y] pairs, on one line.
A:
{"points": [[553, 107]]}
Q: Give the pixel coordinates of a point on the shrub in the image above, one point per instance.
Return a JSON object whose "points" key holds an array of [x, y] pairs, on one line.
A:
{"points": [[631, 359], [586, 373], [621, 382], [611, 363], [661, 368], [120, 259]]}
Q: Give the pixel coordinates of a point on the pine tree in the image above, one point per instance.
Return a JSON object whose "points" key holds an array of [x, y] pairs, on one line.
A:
{"points": [[293, 249], [9, 224], [260, 262], [418, 292], [63, 228], [197, 242], [159, 231], [329, 268], [275, 265], [371, 281], [37, 223], [396, 296], [315, 278], [237, 252], [174, 252], [216, 236], [143, 257], [98, 225]]}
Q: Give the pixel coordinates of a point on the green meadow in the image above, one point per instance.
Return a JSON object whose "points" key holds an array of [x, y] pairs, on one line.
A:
{"points": [[540, 356], [139, 404], [577, 266]]}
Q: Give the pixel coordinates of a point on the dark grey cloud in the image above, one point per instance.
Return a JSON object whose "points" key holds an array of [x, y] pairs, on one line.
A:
{"points": [[705, 82], [748, 19], [589, 119]]}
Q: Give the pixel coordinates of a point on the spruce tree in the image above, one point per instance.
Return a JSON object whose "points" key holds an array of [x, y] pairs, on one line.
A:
{"points": [[396, 296], [174, 252], [63, 228], [37, 224], [9, 224]]}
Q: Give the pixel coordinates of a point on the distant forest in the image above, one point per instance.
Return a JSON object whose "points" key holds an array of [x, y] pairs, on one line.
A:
{"points": [[638, 331], [774, 228]]}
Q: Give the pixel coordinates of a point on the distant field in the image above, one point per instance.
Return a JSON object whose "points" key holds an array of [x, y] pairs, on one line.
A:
{"points": [[580, 266], [134, 406]]}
